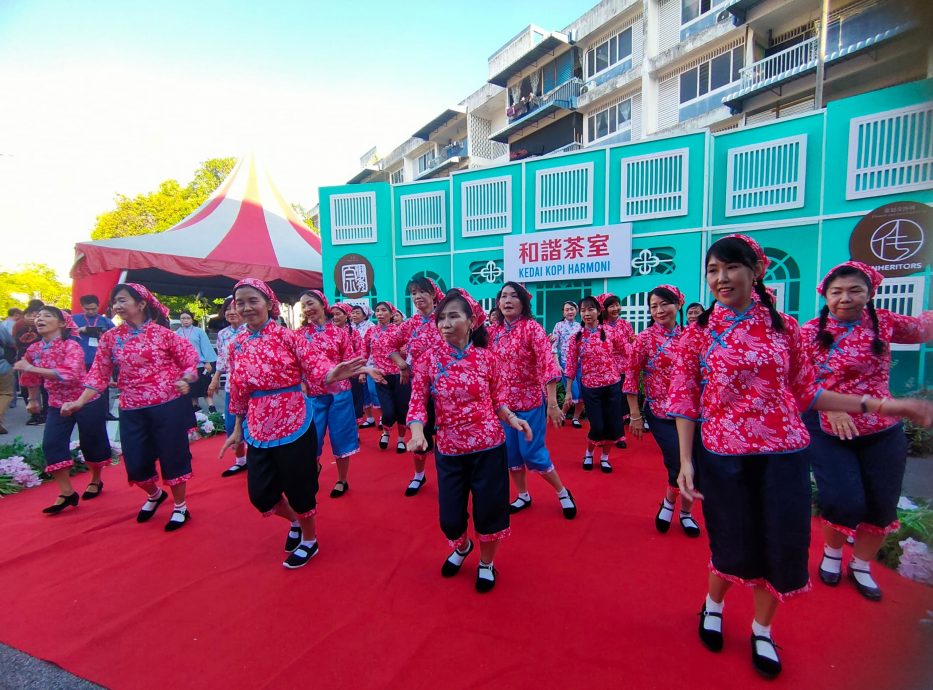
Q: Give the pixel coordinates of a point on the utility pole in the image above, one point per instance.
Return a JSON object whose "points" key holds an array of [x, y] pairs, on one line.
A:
{"points": [[821, 57]]}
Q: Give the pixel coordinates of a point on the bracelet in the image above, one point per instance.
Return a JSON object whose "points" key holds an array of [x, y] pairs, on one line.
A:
{"points": [[864, 403], [636, 419]]}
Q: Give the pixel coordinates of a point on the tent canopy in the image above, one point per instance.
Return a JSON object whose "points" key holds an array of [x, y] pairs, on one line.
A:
{"points": [[245, 228]]}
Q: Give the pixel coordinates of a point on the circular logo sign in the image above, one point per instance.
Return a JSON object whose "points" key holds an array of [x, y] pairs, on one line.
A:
{"points": [[894, 238], [353, 275]]}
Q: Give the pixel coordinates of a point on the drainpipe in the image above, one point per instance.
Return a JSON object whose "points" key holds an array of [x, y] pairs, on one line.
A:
{"points": [[821, 58]]}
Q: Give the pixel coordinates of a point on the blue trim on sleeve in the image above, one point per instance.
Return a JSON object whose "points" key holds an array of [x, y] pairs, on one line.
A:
{"points": [[819, 391], [683, 416]]}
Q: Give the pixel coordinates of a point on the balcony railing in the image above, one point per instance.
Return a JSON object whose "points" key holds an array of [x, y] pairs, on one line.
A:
{"points": [[564, 96], [446, 155], [787, 63]]}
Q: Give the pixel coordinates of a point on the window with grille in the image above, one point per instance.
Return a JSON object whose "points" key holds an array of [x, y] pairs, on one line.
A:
{"points": [[353, 218], [564, 196], [424, 218], [890, 152], [607, 53], [711, 75], [655, 186], [766, 177], [902, 296], [486, 272], [398, 176], [783, 277], [635, 310], [486, 207], [409, 306]]}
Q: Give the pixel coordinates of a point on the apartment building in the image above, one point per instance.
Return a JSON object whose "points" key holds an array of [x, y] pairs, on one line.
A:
{"points": [[616, 155]]}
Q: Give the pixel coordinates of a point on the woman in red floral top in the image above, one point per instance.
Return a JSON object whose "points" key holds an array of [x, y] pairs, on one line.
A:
{"points": [[57, 362], [744, 371], [597, 351], [155, 368], [612, 309], [464, 380], [858, 460], [394, 393], [413, 340], [650, 361], [531, 373], [270, 366]]}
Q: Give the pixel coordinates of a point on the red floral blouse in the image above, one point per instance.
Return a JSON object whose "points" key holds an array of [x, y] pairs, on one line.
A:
{"points": [[468, 390], [417, 335], [66, 359], [598, 358], [526, 362], [850, 366], [378, 344], [652, 354], [151, 359], [745, 382], [334, 345]]}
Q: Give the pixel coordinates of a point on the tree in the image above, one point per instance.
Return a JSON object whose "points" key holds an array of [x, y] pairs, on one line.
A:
{"points": [[161, 209], [33, 281], [308, 217]]}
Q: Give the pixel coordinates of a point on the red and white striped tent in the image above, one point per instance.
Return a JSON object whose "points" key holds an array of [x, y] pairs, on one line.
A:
{"points": [[245, 228]]}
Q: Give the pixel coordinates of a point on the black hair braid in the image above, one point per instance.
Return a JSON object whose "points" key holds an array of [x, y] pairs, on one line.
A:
{"points": [[777, 321], [878, 346], [703, 319], [823, 337]]}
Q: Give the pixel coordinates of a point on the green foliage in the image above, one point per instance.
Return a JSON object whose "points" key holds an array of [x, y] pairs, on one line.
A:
{"points": [[33, 281], [915, 524], [307, 217], [919, 440], [32, 455], [161, 209], [200, 307]]}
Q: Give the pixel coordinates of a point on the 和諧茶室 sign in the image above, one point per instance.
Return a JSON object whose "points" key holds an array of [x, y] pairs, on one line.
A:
{"points": [[581, 253]]}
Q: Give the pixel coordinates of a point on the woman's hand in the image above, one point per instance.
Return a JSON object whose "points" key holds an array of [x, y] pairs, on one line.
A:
{"points": [[555, 415], [182, 386], [375, 374], [920, 412], [637, 425], [69, 408], [23, 366], [418, 443], [33, 406], [346, 369], [362, 379], [213, 387], [685, 481], [404, 374], [520, 424], [208, 368], [842, 425], [233, 440]]}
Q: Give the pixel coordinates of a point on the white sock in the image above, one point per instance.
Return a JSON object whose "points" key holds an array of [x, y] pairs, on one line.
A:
{"points": [[150, 503], [667, 514], [370, 420], [604, 458], [296, 528], [418, 475], [178, 513], [713, 623], [762, 648], [240, 460], [687, 516], [525, 496], [863, 578], [485, 571], [565, 500], [458, 557], [562, 493], [308, 543], [589, 454], [832, 565]]}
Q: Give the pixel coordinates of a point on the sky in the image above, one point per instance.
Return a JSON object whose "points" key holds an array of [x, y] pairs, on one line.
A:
{"points": [[112, 97]]}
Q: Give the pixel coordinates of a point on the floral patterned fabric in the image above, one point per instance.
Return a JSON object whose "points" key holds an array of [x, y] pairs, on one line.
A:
{"points": [[468, 389], [151, 359], [525, 361], [66, 359], [266, 371], [622, 329], [745, 382], [850, 366], [652, 354], [597, 358], [563, 331], [334, 345], [225, 338], [378, 344], [417, 335]]}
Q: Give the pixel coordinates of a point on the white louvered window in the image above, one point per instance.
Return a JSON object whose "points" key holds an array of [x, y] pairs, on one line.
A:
{"points": [[902, 296], [397, 176], [486, 207], [564, 196], [655, 186], [891, 152], [766, 177], [353, 218], [424, 218]]}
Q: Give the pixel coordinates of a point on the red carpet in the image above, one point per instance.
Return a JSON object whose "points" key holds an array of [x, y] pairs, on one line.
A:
{"points": [[603, 601]]}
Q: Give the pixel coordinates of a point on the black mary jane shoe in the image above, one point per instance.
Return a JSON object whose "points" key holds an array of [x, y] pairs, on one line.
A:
{"points": [[662, 525], [174, 525], [89, 495], [588, 463], [621, 444], [690, 526], [569, 512], [519, 504], [300, 556], [827, 577], [867, 591], [450, 568], [366, 425], [711, 639], [605, 467], [575, 423], [414, 486], [340, 488], [293, 540], [484, 585], [400, 447], [232, 470], [146, 515], [766, 666], [67, 502], [383, 441]]}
